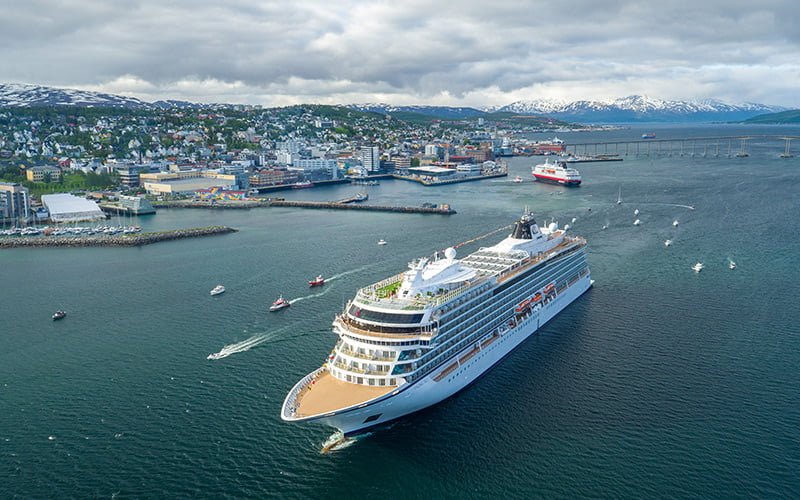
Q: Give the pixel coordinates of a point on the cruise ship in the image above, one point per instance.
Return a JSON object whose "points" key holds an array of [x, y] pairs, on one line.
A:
{"points": [[558, 173], [414, 339]]}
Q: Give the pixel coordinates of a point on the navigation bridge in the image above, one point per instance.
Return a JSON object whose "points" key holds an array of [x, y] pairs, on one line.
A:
{"points": [[731, 146]]}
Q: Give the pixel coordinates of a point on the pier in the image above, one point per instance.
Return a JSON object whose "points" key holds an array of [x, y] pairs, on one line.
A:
{"points": [[440, 210], [455, 180], [730, 146]]}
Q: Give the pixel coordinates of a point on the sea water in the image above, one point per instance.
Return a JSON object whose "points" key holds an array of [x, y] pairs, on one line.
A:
{"points": [[659, 381]]}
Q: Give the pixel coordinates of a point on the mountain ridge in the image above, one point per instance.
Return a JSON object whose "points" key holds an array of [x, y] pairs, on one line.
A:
{"points": [[634, 108]]}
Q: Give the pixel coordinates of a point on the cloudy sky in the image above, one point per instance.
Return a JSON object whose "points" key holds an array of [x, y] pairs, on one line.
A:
{"points": [[442, 52]]}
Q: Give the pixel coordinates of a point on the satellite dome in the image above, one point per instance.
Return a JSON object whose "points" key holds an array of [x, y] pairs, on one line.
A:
{"points": [[552, 227], [450, 253]]}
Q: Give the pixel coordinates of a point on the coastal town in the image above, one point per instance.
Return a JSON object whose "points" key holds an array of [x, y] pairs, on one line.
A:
{"points": [[61, 165]]}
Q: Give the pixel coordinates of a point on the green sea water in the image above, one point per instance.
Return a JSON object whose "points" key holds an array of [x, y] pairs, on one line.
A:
{"points": [[658, 382]]}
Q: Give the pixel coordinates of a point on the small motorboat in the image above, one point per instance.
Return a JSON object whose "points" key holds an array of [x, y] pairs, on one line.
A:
{"points": [[675, 222], [637, 222], [668, 243], [216, 355], [217, 290], [59, 315], [381, 242], [698, 267], [517, 179], [319, 280], [732, 265], [279, 304]]}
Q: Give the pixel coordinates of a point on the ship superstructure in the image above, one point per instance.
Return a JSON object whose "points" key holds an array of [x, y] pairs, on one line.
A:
{"points": [[411, 340]]}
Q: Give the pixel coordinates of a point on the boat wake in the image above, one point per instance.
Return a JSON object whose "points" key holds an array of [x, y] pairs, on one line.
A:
{"points": [[312, 296], [337, 441], [347, 273], [242, 346]]}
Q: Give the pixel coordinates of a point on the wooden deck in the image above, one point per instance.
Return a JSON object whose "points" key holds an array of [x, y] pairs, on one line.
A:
{"points": [[327, 394]]}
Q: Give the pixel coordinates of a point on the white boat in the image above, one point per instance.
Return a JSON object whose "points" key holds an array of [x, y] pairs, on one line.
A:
{"points": [[216, 355], [637, 222], [416, 338], [732, 265], [698, 267], [279, 304], [381, 242], [217, 290], [558, 173], [675, 222], [517, 179], [668, 243]]}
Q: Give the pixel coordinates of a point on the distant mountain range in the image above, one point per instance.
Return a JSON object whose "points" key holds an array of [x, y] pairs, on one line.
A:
{"points": [[623, 110]]}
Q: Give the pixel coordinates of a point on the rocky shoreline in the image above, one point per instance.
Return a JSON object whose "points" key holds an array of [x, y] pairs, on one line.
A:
{"points": [[110, 240]]}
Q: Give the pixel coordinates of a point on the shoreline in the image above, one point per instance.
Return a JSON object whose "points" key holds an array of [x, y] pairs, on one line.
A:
{"points": [[110, 240]]}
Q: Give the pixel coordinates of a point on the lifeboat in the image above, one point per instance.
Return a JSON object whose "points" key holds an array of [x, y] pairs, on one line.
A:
{"points": [[550, 288]]}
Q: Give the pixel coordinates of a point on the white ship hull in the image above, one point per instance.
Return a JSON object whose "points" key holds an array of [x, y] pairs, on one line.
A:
{"points": [[437, 385]]}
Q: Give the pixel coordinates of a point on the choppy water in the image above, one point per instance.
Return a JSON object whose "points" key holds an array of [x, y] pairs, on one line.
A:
{"points": [[658, 382]]}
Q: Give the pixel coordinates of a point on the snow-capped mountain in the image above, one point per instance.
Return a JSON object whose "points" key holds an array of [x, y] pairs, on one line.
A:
{"points": [[640, 108], [437, 111], [20, 95]]}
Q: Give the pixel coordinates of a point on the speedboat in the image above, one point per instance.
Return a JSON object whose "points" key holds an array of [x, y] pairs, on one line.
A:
{"points": [[381, 242], [319, 280], [675, 222], [668, 243], [216, 355], [732, 265], [517, 179], [637, 222], [217, 290], [698, 267], [59, 315], [279, 304]]}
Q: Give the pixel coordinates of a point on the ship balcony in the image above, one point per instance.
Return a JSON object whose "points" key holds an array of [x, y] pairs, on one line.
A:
{"points": [[344, 326], [365, 356], [362, 371]]}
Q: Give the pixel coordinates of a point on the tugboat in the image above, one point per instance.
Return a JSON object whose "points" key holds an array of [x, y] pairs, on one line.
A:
{"points": [[279, 304], [59, 315], [319, 280]]}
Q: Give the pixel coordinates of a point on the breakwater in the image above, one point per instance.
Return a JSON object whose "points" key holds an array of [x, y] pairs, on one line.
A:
{"points": [[351, 206], [111, 240]]}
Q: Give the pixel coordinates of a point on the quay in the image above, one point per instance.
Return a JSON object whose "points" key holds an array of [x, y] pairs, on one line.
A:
{"points": [[441, 210], [456, 180], [110, 240], [689, 146]]}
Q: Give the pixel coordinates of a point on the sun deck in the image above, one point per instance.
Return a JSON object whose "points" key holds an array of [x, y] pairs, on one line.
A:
{"points": [[326, 393]]}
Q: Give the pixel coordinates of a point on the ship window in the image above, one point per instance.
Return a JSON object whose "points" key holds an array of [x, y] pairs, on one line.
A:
{"points": [[373, 418], [383, 317]]}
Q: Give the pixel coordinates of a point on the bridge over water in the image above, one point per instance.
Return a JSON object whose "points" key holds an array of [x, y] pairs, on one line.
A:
{"points": [[691, 146]]}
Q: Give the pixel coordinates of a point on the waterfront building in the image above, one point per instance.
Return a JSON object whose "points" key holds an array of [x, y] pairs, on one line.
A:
{"points": [[266, 178], [129, 174], [64, 207], [15, 201], [371, 158], [137, 205]]}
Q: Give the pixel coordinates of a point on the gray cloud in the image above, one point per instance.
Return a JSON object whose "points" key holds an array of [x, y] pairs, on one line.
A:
{"points": [[438, 52]]}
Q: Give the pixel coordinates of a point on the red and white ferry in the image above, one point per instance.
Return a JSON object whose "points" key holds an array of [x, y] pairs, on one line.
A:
{"points": [[558, 173]]}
